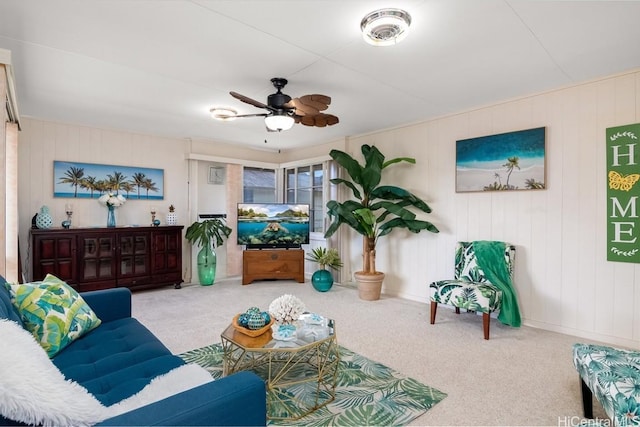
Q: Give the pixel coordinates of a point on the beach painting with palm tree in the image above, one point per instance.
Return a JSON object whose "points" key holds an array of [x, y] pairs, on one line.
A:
{"points": [[508, 161], [90, 181]]}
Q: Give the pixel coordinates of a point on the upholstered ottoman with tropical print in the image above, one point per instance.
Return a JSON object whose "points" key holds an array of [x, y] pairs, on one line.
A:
{"points": [[613, 376]]}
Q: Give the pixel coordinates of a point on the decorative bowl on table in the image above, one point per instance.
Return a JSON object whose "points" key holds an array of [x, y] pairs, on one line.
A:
{"points": [[250, 332]]}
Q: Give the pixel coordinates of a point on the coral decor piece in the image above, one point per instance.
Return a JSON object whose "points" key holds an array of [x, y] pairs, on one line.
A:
{"points": [[286, 309]]}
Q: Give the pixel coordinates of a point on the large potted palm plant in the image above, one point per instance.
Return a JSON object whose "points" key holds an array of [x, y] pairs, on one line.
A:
{"points": [[374, 211], [207, 234]]}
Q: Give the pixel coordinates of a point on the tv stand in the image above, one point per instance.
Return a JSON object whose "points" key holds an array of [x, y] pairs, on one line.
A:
{"points": [[261, 264]]}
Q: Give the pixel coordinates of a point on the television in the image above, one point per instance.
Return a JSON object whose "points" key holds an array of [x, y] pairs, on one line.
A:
{"points": [[273, 225]]}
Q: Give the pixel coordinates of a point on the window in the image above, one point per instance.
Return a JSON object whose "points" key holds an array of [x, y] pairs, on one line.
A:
{"points": [[259, 185], [305, 184]]}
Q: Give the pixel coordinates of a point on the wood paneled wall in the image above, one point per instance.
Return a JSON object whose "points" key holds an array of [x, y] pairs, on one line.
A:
{"points": [[563, 279], [42, 142]]}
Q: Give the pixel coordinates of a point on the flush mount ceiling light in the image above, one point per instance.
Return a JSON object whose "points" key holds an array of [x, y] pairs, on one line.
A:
{"points": [[385, 27], [224, 114], [279, 121]]}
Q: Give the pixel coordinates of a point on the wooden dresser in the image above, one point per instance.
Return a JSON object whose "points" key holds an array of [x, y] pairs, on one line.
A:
{"points": [[260, 264], [101, 258]]}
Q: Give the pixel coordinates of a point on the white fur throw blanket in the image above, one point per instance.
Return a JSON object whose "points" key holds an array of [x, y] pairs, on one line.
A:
{"points": [[34, 391]]}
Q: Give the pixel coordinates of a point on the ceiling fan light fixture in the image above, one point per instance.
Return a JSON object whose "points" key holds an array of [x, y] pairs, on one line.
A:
{"points": [[279, 122], [223, 114], [385, 27]]}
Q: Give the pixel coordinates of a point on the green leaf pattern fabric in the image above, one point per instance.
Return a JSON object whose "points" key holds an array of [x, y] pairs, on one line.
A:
{"points": [[613, 375], [470, 289], [53, 312]]}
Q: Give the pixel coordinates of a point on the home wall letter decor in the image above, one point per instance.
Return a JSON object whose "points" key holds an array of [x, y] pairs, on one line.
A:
{"points": [[623, 190], [508, 161]]}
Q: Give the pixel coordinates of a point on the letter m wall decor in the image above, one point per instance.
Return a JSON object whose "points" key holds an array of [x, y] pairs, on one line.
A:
{"points": [[623, 192]]}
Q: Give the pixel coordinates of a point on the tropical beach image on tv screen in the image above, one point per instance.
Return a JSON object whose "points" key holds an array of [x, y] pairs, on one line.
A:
{"points": [[273, 224]]}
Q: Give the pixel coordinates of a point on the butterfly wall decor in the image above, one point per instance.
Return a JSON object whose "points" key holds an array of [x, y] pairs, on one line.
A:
{"points": [[618, 181]]}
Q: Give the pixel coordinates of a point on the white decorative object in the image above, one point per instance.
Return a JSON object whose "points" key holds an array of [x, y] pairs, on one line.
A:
{"points": [[284, 332], [286, 309], [176, 381], [313, 319], [34, 391], [172, 217], [110, 199], [43, 219]]}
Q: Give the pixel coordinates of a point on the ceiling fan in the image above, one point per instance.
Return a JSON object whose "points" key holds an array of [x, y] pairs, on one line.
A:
{"points": [[283, 111]]}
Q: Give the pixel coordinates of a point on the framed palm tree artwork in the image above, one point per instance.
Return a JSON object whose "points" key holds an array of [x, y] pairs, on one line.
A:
{"points": [[504, 162], [91, 180]]}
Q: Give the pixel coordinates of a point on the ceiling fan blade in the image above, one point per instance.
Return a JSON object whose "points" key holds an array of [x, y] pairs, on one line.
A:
{"points": [[301, 109], [249, 100], [332, 120], [309, 104], [319, 120], [321, 102]]}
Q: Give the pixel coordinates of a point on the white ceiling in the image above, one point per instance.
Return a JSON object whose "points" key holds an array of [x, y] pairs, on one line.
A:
{"points": [[158, 66]]}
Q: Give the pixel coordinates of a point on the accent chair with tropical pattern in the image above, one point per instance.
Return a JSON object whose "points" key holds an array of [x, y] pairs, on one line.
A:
{"points": [[612, 375], [472, 288]]}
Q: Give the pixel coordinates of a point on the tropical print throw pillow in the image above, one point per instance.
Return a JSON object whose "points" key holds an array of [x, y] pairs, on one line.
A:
{"points": [[53, 312]]}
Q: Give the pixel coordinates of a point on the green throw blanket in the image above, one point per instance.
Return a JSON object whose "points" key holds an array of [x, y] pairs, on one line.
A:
{"points": [[490, 258]]}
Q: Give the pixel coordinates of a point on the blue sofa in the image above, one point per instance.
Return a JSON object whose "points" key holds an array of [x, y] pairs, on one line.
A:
{"points": [[121, 356]]}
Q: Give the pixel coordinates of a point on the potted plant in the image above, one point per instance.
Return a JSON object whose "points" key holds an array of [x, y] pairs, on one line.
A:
{"points": [[207, 234], [374, 211], [322, 280]]}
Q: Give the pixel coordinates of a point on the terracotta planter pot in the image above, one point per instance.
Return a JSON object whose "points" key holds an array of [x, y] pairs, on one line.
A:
{"points": [[369, 285]]}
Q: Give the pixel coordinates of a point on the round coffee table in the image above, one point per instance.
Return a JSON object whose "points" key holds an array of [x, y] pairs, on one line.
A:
{"points": [[300, 373]]}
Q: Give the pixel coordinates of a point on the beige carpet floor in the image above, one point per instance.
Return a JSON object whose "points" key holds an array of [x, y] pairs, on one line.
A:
{"points": [[521, 376]]}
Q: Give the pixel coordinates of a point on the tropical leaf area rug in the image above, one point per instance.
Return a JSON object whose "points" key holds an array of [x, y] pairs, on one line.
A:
{"points": [[367, 393]]}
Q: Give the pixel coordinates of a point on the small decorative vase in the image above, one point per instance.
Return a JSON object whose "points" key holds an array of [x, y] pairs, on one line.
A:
{"points": [[206, 266], [43, 219], [322, 280], [172, 218], [111, 216]]}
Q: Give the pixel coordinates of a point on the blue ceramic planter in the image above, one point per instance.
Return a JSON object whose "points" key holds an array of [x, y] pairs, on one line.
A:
{"points": [[322, 280]]}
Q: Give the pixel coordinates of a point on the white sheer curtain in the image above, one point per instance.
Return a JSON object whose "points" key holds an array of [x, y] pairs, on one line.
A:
{"points": [[8, 189]]}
